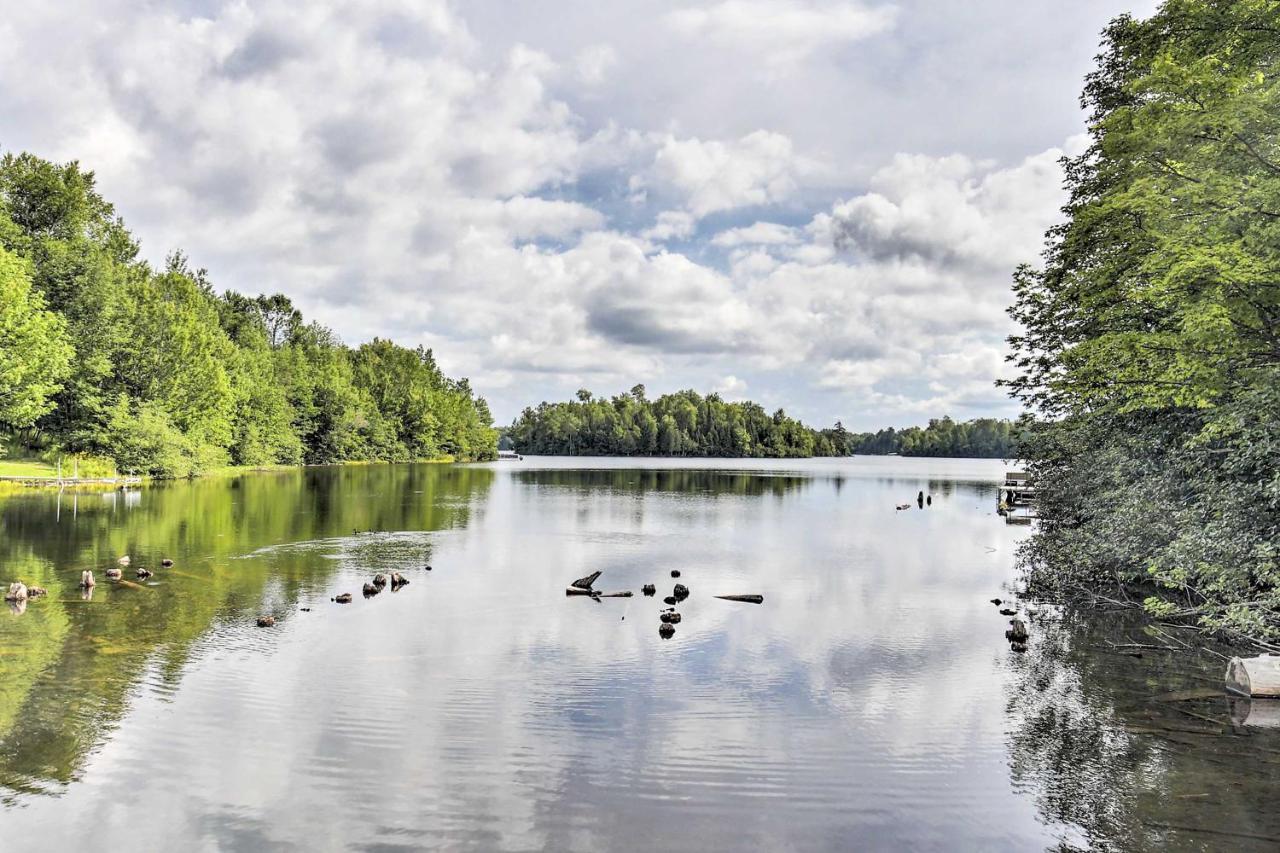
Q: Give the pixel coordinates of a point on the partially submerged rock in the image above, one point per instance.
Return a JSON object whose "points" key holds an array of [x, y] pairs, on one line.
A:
{"points": [[1017, 632], [343, 598], [649, 589], [166, 562], [36, 592], [124, 561], [114, 574], [1005, 611], [379, 580], [666, 631], [266, 621], [371, 589], [670, 599], [749, 599], [681, 592], [17, 592], [143, 573], [675, 573], [397, 580], [86, 579]]}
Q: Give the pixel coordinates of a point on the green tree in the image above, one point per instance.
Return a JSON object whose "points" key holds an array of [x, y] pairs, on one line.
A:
{"points": [[35, 356]]}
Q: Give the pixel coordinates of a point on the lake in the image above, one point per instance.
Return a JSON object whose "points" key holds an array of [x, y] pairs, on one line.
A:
{"points": [[871, 702]]}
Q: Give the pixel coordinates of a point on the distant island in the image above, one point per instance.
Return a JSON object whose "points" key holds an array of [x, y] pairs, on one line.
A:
{"points": [[687, 423]]}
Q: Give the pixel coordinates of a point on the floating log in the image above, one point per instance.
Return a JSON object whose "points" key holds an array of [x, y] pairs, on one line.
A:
{"points": [[17, 592], [585, 583], [577, 590], [1258, 676], [86, 579], [626, 593], [748, 599]]}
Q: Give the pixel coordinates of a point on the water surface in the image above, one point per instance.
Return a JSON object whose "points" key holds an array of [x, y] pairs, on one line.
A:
{"points": [[871, 702]]}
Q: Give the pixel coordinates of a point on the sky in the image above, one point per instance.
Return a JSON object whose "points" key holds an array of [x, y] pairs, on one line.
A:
{"points": [[814, 205]]}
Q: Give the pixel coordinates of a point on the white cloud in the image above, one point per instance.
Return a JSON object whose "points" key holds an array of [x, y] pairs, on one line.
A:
{"points": [[671, 224], [780, 31], [711, 175], [758, 234]]}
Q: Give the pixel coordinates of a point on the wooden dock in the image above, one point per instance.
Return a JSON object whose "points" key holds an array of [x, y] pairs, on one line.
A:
{"points": [[1016, 498], [61, 482]]}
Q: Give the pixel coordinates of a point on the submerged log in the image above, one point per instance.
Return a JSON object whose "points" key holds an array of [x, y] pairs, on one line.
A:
{"points": [[1259, 713], [1258, 676], [749, 599], [17, 592], [585, 583]]}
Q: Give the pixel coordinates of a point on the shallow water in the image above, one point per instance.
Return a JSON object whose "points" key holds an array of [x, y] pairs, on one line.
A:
{"points": [[871, 701]]}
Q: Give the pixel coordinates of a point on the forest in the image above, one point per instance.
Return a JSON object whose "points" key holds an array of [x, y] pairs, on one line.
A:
{"points": [[1151, 344], [689, 424], [137, 369]]}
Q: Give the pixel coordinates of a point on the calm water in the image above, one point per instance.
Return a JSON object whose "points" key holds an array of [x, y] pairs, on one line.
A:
{"points": [[871, 702]]}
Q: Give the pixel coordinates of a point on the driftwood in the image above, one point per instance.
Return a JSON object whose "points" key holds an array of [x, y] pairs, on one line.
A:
{"points": [[17, 592], [1258, 676], [748, 599], [577, 590], [585, 583]]}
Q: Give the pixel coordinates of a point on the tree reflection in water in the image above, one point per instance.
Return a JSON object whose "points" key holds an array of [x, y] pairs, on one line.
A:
{"points": [[1138, 753]]}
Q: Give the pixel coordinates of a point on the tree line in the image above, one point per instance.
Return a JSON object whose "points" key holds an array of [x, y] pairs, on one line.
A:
{"points": [[1151, 350], [689, 424], [103, 355]]}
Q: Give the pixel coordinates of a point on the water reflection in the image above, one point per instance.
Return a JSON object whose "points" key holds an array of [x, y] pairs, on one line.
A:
{"points": [[871, 702]]}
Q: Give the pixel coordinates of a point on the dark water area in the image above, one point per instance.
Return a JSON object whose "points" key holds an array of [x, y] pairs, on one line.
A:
{"points": [[871, 702]]}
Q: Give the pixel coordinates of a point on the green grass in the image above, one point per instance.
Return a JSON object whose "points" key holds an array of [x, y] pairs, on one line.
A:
{"points": [[26, 468]]}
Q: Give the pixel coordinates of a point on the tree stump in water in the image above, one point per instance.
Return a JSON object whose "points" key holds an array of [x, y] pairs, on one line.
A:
{"points": [[86, 580], [17, 592], [1258, 676]]}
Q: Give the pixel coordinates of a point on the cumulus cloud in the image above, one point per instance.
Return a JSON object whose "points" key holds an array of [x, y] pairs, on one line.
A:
{"points": [[400, 172], [781, 31]]}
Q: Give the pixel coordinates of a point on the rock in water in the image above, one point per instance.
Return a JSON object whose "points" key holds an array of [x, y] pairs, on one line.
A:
{"points": [[1017, 632], [36, 591], [266, 621], [675, 573], [397, 580], [166, 562], [379, 580], [143, 573], [124, 561], [681, 592], [675, 618], [114, 574], [371, 590], [344, 598], [649, 589], [1005, 611], [86, 579], [666, 631], [670, 599], [17, 592]]}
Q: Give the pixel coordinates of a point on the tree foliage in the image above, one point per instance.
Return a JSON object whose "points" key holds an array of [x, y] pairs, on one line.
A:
{"points": [[680, 424], [981, 438], [1152, 331], [102, 354]]}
